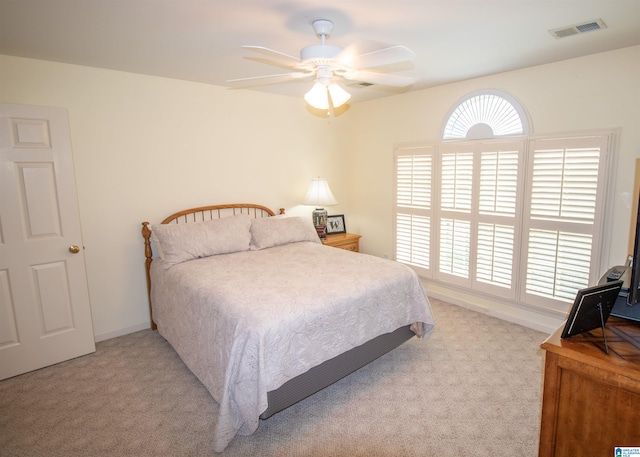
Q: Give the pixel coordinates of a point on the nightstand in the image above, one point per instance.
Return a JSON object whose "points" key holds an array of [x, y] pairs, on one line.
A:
{"points": [[348, 241]]}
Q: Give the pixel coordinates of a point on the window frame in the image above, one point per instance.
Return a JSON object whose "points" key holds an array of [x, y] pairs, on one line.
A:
{"points": [[602, 220], [516, 294], [424, 213]]}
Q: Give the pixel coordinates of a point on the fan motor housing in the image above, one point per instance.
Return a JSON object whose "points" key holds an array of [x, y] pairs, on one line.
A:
{"points": [[320, 51]]}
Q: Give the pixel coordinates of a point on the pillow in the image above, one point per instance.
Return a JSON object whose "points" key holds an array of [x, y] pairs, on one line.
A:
{"points": [[156, 243], [181, 242], [274, 231]]}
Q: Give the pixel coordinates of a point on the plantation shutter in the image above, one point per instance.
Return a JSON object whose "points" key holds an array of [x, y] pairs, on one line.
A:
{"points": [[498, 221], [413, 211], [567, 189], [456, 191], [480, 203]]}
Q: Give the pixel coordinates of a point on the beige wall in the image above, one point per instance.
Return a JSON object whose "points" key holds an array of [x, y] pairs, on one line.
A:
{"points": [[145, 147]]}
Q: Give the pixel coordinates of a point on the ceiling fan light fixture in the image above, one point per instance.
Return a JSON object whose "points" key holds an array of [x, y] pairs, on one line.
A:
{"points": [[318, 96]]}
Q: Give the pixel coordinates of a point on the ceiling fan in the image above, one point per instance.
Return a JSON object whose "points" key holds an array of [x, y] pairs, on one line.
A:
{"points": [[329, 63]]}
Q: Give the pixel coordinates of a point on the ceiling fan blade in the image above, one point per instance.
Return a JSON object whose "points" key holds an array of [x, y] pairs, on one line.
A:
{"points": [[382, 79], [281, 64], [281, 77], [282, 58], [381, 57]]}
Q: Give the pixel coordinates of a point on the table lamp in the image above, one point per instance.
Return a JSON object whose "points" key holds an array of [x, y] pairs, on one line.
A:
{"points": [[319, 195]]}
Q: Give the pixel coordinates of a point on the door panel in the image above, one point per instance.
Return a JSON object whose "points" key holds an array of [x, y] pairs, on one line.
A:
{"points": [[39, 199], [53, 298], [8, 327], [45, 314]]}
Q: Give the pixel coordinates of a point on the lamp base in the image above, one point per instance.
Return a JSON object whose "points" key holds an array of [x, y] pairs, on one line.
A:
{"points": [[320, 222]]}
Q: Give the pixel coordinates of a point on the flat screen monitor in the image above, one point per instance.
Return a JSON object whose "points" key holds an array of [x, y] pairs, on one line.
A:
{"points": [[591, 308], [633, 297]]}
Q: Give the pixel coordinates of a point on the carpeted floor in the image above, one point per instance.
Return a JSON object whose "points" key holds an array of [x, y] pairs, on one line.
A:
{"points": [[472, 388]]}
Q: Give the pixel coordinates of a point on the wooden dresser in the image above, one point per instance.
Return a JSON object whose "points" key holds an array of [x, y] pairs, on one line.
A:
{"points": [[591, 400], [348, 241]]}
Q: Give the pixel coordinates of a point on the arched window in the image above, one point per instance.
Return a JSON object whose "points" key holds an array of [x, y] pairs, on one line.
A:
{"points": [[486, 114], [489, 209]]}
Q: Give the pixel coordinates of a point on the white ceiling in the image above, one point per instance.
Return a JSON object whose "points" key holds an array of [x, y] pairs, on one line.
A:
{"points": [[200, 40]]}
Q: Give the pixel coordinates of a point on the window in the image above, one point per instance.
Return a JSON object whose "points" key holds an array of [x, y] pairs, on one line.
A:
{"points": [[478, 213], [565, 215], [514, 217], [414, 171], [486, 114]]}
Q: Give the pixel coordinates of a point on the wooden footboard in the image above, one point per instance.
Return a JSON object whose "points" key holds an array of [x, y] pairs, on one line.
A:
{"points": [[201, 214]]}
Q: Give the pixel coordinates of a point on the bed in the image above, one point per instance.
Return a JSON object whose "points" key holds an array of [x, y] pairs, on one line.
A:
{"points": [[264, 314]]}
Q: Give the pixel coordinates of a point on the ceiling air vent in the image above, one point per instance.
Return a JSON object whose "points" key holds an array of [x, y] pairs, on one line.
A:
{"points": [[577, 29]]}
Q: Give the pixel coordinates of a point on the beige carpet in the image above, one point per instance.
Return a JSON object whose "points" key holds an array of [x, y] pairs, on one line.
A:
{"points": [[472, 389]]}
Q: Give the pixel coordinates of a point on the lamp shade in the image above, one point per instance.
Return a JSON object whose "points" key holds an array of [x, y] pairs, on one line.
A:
{"points": [[318, 96], [339, 96], [319, 194]]}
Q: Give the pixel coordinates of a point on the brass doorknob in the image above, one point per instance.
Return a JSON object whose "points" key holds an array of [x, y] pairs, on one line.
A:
{"points": [[74, 249]]}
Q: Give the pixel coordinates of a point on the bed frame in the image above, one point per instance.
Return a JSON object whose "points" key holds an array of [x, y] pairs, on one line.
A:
{"points": [[317, 378]]}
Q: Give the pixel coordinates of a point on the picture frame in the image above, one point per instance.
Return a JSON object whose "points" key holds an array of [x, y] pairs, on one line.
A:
{"points": [[591, 308], [335, 224]]}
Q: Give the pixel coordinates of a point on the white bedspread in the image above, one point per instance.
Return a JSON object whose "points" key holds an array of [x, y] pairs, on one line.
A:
{"points": [[247, 322]]}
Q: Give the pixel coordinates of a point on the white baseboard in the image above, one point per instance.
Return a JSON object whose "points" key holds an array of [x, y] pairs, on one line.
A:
{"points": [[526, 316], [121, 332]]}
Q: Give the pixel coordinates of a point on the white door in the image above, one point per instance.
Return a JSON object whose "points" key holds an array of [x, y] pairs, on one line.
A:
{"points": [[45, 316]]}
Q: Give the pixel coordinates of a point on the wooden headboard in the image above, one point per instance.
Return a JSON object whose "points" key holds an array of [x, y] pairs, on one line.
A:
{"points": [[201, 214]]}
